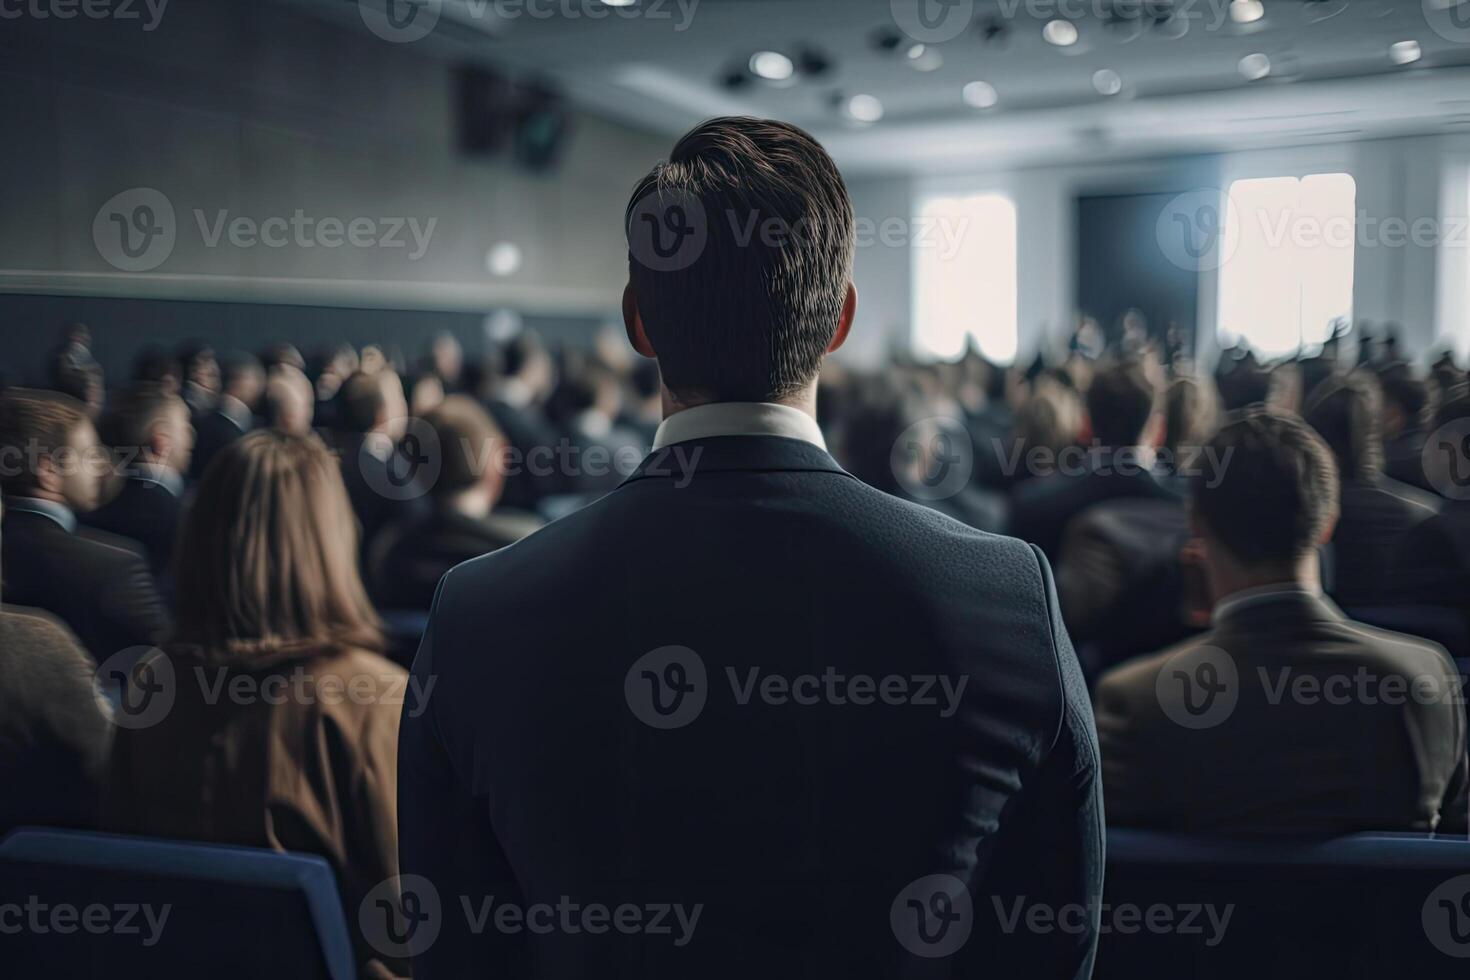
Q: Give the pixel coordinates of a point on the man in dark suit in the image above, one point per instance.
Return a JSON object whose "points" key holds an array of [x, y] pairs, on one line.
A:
{"points": [[54, 733], [517, 403], [151, 429], [1286, 716], [743, 721], [99, 584], [384, 483], [410, 557], [1126, 427], [1377, 512], [242, 382]]}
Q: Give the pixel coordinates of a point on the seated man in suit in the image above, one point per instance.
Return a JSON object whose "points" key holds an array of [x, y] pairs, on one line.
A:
{"points": [[54, 733], [412, 556], [1377, 512], [1127, 427], [98, 584], [242, 382], [382, 483], [1433, 561], [1407, 410], [814, 827], [152, 427], [1286, 716]]}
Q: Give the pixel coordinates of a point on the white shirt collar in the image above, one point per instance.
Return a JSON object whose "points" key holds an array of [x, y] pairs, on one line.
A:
{"points": [[164, 476], [60, 513], [738, 419], [1246, 598]]}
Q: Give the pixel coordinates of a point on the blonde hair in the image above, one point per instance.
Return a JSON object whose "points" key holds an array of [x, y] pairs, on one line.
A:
{"points": [[268, 556]]}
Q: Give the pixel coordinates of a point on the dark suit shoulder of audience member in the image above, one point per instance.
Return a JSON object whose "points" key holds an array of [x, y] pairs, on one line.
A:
{"points": [[54, 732], [242, 382], [1120, 580], [284, 725], [1376, 512], [1286, 717], [383, 482], [411, 556]]}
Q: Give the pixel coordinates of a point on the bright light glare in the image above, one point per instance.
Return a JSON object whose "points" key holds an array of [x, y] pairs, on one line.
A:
{"points": [[1289, 274], [965, 277]]}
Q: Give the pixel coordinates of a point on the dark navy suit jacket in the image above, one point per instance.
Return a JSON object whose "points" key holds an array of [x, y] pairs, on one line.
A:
{"points": [[797, 825]]}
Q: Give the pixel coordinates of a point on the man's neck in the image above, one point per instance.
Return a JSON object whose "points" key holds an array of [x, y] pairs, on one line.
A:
{"points": [[1304, 575], [803, 400]]}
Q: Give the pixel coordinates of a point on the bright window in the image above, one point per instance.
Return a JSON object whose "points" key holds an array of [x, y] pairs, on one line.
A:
{"points": [[964, 256], [1287, 254]]}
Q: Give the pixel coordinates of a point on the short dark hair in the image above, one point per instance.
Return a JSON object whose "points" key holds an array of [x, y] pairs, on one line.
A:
{"points": [[1412, 395], [130, 420], [1120, 400], [1275, 491], [745, 318], [33, 422], [1347, 414], [360, 400]]}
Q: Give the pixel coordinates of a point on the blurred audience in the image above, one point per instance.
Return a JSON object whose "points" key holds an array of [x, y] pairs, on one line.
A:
{"points": [[382, 481], [242, 382]]}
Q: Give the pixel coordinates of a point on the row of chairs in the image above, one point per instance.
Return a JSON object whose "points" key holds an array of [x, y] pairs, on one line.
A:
{"points": [[1362, 906]]}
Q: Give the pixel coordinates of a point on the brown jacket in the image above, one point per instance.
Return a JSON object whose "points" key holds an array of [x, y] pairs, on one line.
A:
{"points": [[1287, 717], [294, 750]]}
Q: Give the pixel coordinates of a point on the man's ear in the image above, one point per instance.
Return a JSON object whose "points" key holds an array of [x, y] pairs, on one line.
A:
{"points": [[48, 474], [633, 323], [1327, 530], [160, 443], [844, 318]]}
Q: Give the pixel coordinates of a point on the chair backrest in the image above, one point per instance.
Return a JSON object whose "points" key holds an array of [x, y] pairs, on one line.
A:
{"points": [[107, 905], [1366, 905]]}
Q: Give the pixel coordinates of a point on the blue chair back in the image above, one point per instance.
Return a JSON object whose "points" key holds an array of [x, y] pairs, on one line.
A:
{"points": [[1362, 906], [112, 906]]}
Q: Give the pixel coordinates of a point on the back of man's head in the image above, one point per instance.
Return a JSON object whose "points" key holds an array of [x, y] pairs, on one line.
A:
{"points": [[1120, 401], [242, 377], [740, 257], [469, 444], [134, 420], [1273, 496], [35, 426], [1408, 396], [1347, 414], [363, 400]]}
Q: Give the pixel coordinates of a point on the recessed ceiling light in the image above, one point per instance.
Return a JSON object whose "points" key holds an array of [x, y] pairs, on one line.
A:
{"points": [[1107, 81], [617, 3], [1246, 11], [773, 66], [503, 259], [1062, 33], [924, 58], [1404, 52], [1254, 67], [863, 109], [981, 95]]}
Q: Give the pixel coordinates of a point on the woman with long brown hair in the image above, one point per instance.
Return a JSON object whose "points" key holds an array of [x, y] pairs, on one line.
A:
{"points": [[277, 719]]}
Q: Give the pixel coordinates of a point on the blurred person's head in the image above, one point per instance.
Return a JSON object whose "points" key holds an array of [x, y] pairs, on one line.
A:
{"points": [[472, 449], [373, 359], [1242, 382], [199, 366], [1408, 402], [1270, 504], [282, 355], [156, 366], [426, 392], [267, 560], [527, 360], [1123, 405], [49, 449], [374, 403], [1051, 417], [83, 382], [290, 401], [242, 378], [446, 358], [155, 422], [1346, 413], [1191, 415], [750, 317]]}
